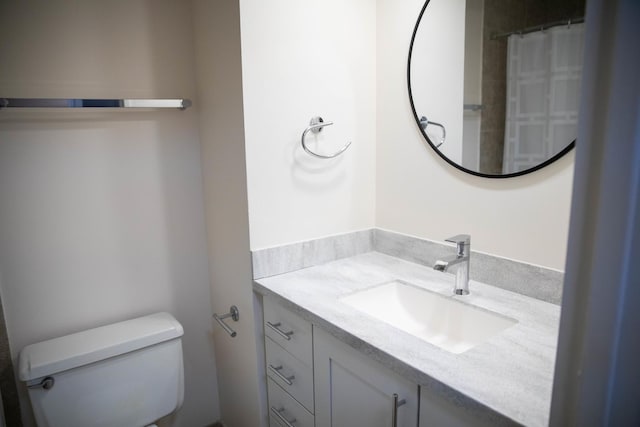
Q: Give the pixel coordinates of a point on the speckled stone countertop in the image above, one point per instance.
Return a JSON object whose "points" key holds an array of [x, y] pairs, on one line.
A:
{"points": [[504, 380]]}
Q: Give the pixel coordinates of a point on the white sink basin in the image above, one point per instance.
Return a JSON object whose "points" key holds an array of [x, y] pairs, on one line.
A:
{"points": [[442, 321]]}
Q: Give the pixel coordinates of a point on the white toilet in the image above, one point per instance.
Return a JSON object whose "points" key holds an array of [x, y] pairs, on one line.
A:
{"points": [[127, 374]]}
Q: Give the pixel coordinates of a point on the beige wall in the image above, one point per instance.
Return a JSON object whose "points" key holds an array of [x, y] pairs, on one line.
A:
{"points": [[302, 59], [101, 213], [219, 77], [524, 218]]}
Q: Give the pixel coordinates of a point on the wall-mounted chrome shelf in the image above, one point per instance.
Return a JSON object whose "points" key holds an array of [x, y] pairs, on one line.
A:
{"points": [[472, 107], [180, 104]]}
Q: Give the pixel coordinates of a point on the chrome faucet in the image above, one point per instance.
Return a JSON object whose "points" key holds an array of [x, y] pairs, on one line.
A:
{"points": [[461, 259]]}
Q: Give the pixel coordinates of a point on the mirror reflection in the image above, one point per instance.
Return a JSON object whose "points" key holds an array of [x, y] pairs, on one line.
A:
{"points": [[495, 84]]}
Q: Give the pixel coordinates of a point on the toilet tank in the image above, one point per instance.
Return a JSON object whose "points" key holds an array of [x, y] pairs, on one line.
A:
{"points": [[124, 374]]}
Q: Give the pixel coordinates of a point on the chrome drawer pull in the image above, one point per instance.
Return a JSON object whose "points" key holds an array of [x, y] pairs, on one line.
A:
{"points": [[278, 413], [276, 370], [394, 413], [285, 335]]}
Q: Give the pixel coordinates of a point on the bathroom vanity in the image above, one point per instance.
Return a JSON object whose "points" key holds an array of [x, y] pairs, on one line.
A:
{"points": [[326, 360]]}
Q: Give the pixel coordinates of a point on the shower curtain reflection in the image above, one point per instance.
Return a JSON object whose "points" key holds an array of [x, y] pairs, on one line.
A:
{"points": [[543, 86]]}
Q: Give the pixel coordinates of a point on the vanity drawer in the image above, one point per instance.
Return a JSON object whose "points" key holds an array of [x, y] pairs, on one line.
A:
{"points": [[288, 330], [283, 407], [292, 375]]}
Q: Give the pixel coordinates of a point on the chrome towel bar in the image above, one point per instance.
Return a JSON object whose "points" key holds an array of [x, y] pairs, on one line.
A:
{"points": [[315, 126], [180, 104]]}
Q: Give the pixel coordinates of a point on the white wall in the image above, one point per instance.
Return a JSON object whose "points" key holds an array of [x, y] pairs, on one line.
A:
{"points": [[302, 59], [524, 218], [101, 213], [437, 71]]}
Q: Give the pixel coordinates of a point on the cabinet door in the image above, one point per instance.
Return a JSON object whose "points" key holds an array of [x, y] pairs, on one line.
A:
{"points": [[436, 411], [353, 390]]}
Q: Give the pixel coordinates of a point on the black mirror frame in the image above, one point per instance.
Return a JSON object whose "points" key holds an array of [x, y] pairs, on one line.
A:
{"points": [[445, 158]]}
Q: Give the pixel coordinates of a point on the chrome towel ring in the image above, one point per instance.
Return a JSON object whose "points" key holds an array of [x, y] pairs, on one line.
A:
{"points": [[315, 125], [424, 123]]}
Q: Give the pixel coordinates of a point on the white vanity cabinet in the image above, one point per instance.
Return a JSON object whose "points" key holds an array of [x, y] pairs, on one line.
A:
{"points": [[353, 390], [289, 367], [316, 380], [435, 411]]}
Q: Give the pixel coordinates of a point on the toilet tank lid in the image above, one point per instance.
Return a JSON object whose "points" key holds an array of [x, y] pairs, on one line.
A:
{"points": [[71, 351]]}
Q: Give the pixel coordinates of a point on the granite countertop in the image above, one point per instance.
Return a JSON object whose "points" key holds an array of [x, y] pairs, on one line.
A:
{"points": [[503, 380]]}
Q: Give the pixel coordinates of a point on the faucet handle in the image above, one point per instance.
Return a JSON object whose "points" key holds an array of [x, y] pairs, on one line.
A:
{"points": [[462, 241]]}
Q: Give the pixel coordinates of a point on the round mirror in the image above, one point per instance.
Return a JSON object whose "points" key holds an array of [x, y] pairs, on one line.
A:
{"points": [[494, 84]]}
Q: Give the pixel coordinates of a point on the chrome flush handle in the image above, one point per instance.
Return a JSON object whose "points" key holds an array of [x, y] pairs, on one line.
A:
{"points": [[47, 383]]}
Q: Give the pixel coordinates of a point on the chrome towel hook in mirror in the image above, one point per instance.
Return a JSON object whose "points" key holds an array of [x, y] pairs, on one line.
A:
{"points": [[424, 123], [315, 125]]}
